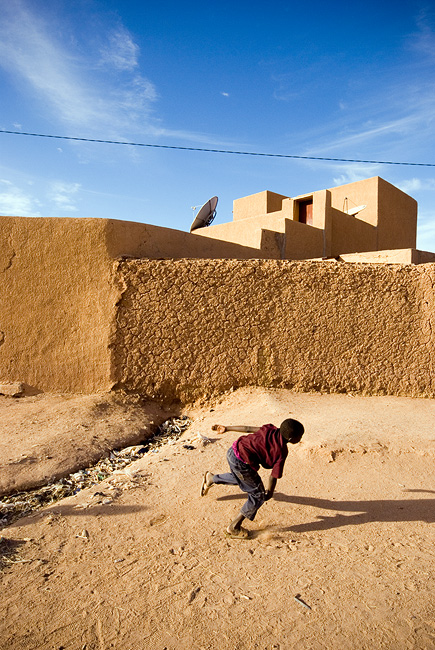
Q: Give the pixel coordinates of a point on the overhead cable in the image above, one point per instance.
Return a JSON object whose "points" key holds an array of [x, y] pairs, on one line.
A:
{"points": [[236, 153]]}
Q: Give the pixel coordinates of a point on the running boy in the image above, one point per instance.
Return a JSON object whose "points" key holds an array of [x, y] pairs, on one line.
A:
{"points": [[267, 447]]}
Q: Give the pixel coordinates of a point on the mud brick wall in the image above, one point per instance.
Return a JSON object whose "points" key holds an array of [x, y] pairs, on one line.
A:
{"points": [[57, 301], [185, 329]]}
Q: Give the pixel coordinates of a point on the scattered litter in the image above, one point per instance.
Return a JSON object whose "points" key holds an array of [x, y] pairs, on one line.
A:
{"points": [[9, 551], [158, 520], [204, 439], [23, 503], [299, 600], [84, 534], [193, 595]]}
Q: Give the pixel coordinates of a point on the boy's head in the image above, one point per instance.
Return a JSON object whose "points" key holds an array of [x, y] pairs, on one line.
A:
{"points": [[292, 431]]}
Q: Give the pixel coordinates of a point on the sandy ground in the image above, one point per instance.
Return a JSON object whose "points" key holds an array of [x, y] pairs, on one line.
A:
{"points": [[140, 560], [45, 437]]}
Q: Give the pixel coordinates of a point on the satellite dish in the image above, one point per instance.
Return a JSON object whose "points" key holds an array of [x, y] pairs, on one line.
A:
{"points": [[353, 211], [206, 214]]}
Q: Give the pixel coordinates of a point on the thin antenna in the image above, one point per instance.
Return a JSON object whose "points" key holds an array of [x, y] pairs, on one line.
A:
{"points": [[194, 208], [352, 211]]}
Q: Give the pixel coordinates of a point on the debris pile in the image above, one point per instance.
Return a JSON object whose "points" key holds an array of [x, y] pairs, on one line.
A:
{"points": [[22, 503], [9, 551]]}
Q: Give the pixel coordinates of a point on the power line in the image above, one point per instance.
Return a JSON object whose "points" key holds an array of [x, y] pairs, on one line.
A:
{"points": [[236, 153]]}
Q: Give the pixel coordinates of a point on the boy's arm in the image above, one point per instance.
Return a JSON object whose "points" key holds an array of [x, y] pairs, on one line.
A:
{"points": [[220, 428], [271, 485]]}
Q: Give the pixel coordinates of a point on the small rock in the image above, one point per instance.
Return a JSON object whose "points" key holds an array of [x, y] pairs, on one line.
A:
{"points": [[12, 389], [131, 451]]}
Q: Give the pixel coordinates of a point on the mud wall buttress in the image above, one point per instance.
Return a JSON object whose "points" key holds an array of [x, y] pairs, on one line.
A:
{"points": [[57, 298]]}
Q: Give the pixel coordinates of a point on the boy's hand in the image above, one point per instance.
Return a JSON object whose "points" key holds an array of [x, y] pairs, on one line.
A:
{"points": [[270, 487], [219, 428]]}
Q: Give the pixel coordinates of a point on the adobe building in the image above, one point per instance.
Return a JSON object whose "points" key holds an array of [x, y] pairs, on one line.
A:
{"points": [[367, 216]]}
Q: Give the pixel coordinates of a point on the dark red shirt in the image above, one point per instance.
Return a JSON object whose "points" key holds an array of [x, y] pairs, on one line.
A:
{"points": [[266, 447]]}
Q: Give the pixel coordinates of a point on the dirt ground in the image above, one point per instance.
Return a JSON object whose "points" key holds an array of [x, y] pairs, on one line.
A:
{"points": [[140, 560], [49, 436]]}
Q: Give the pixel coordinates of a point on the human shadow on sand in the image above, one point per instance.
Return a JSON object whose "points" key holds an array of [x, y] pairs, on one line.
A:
{"points": [[363, 512]]}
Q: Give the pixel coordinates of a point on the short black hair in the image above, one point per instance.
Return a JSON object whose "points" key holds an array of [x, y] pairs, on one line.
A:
{"points": [[291, 430]]}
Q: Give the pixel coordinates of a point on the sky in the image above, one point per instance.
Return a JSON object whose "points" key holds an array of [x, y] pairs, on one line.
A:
{"points": [[321, 79]]}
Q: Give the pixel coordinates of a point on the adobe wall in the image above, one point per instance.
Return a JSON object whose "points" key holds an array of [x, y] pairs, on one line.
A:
{"points": [[192, 328], [57, 298], [393, 212], [58, 295], [350, 234], [75, 319]]}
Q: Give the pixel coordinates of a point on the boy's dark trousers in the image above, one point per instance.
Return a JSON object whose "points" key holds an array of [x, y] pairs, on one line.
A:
{"points": [[248, 480]]}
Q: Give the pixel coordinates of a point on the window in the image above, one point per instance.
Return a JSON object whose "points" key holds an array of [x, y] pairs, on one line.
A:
{"points": [[305, 211]]}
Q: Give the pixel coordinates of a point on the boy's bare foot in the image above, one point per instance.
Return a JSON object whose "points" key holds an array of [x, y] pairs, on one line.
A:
{"points": [[237, 533], [206, 484], [219, 428]]}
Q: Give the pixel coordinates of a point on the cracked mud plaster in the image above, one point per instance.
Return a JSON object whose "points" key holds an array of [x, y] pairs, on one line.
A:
{"points": [[7, 256], [193, 328]]}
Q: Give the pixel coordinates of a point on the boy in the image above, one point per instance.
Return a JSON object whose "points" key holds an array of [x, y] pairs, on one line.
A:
{"points": [[267, 447]]}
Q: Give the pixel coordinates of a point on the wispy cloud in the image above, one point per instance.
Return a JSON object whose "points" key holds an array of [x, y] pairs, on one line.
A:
{"points": [[377, 114], [97, 90], [62, 195], [422, 40], [23, 199], [121, 52], [401, 126], [16, 202], [352, 173], [29, 53], [416, 185], [72, 87]]}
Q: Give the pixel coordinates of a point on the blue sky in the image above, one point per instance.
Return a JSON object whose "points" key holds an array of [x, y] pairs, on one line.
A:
{"points": [[338, 79]]}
